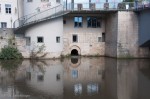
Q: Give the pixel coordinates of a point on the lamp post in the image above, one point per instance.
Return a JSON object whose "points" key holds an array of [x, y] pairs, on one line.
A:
{"points": [[72, 4], [66, 4]]}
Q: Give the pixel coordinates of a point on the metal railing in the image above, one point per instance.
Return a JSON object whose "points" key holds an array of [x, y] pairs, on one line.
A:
{"points": [[63, 9], [100, 6], [142, 5], [39, 16]]}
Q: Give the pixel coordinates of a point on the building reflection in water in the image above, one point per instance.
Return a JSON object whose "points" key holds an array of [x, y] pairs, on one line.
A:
{"points": [[85, 78]]}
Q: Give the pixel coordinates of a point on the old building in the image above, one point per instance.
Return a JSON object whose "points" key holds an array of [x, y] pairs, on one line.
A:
{"points": [[62, 27]]}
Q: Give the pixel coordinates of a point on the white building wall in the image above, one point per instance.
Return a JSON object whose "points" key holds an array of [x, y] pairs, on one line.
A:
{"points": [[32, 7], [49, 31], [9, 18]]}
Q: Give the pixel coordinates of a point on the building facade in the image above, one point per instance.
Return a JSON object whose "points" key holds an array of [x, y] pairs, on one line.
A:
{"points": [[55, 28], [8, 13]]}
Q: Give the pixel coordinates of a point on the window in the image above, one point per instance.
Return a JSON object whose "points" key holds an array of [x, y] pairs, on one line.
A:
{"points": [[93, 22], [58, 77], [58, 39], [77, 21], [44, 0], [40, 39], [58, 1], [40, 78], [99, 39], [28, 41], [103, 37], [3, 25], [64, 21], [8, 8], [29, 0], [75, 38]]}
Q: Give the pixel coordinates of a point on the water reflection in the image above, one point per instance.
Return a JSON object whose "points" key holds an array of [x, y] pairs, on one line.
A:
{"points": [[88, 78]]}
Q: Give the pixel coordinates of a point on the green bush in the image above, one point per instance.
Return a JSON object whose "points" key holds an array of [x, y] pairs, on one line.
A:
{"points": [[10, 53]]}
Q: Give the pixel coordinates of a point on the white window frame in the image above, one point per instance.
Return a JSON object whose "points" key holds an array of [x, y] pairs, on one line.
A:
{"points": [[2, 24], [8, 9]]}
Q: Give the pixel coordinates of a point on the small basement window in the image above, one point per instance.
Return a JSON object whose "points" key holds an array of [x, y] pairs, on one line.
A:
{"points": [[40, 39], [57, 39], [75, 38]]}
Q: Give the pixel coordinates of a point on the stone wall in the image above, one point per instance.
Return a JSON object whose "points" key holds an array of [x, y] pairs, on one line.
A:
{"points": [[128, 36], [5, 36], [87, 37], [111, 35]]}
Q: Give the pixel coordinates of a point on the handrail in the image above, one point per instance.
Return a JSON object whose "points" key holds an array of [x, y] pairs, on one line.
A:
{"points": [[60, 9], [37, 16]]}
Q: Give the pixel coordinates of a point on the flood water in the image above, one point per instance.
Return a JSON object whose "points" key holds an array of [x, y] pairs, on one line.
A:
{"points": [[81, 78]]}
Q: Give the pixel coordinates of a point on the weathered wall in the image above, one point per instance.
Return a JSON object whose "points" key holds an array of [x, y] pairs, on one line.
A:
{"points": [[128, 36], [5, 36], [111, 35], [87, 37], [127, 42]]}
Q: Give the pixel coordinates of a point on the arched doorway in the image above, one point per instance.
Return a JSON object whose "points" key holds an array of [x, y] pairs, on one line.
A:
{"points": [[74, 52]]}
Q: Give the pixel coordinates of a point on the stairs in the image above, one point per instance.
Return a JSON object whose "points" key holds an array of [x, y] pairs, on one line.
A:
{"points": [[35, 18]]}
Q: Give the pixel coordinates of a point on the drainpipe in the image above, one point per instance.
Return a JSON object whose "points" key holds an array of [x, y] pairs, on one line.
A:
{"points": [[18, 9]]}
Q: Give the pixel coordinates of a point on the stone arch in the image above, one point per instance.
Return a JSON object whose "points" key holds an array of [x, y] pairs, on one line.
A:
{"points": [[75, 50]]}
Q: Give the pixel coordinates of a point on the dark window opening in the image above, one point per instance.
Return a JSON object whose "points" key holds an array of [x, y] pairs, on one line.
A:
{"points": [[40, 39], [75, 38], [3, 25], [40, 77], [64, 21], [74, 52], [103, 37], [99, 39], [58, 39], [28, 41], [58, 77], [93, 22]]}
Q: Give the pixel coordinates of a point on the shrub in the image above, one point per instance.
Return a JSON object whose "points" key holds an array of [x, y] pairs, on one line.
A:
{"points": [[10, 53]]}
